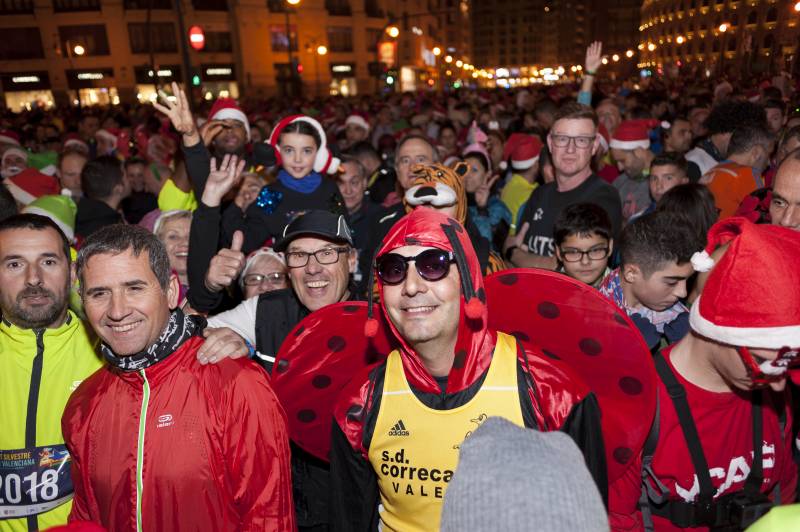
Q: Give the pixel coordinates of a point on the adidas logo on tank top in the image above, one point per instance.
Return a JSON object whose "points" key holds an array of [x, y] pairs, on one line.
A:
{"points": [[399, 429]]}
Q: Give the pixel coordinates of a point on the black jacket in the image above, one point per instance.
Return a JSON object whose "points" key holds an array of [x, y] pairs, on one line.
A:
{"points": [[278, 312], [92, 215]]}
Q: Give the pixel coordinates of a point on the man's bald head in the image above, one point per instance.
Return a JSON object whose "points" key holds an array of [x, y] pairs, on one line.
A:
{"points": [[784, 209]]}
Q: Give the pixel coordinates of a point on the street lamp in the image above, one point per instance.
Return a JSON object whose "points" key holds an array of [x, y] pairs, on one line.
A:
{"points": [[320, 51], [448, 59], [651, 47], [615, 57], [680, 39], [797, 7], [292, 71], [722, 28], [437, 51], [629, 54], [393, 31], [78, 50]]}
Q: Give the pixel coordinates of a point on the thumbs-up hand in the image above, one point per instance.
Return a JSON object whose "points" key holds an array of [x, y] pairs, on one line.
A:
{"points": [[226, 265]]}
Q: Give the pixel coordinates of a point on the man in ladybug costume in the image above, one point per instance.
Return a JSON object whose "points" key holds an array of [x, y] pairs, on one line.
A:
{"points": [[399, 424]]}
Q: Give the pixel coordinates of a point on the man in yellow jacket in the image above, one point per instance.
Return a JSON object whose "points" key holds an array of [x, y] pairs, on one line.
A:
{"points": [[45, 353]]}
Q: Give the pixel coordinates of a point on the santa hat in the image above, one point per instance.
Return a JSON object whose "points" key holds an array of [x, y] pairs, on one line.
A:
{"points": [[46, 162], [751, 297], [9, 137], [632, 134], [357, 120], [325, 162], [605, 138], [13, 150], [61, 209], [227, 109], [523, 150], [31, 184], [75, 142], [109, 133]]}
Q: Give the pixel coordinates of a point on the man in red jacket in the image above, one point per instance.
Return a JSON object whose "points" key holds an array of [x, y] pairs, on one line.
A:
{"points": [[159, 441]]}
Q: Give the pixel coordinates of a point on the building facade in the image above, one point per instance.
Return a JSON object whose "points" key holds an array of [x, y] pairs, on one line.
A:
{"points": [[739, 38], [107, 51], [549, 33]]}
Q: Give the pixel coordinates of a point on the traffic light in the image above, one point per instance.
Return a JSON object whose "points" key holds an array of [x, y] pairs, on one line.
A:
{"points": [[297, 66], [391, 76], [195, 77]]}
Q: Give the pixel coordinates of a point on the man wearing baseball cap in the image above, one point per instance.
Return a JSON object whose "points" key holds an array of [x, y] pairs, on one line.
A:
{"points": [[719, 454], [320, 256]]}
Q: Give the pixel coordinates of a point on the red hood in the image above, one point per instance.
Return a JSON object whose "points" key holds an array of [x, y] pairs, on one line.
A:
{"points": [[430, 228]]}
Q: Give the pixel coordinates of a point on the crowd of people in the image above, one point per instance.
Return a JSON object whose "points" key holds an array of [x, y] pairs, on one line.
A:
{"points": [[158, 262]]}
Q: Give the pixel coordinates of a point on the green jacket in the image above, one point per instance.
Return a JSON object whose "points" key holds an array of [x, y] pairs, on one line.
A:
{"points": [[39, 370]]}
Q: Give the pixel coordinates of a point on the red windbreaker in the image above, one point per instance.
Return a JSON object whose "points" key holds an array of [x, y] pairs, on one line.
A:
{"points": [[180, 446]]}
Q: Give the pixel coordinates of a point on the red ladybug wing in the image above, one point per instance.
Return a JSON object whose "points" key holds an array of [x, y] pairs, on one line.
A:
{"points": [[318, 358], [573, 322]]}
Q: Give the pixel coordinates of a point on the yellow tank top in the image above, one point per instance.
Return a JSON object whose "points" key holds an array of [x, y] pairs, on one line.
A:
{"points": [[414, 449]]}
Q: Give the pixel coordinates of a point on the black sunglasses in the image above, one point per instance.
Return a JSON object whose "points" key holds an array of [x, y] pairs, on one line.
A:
{"points": [[431, 264]]}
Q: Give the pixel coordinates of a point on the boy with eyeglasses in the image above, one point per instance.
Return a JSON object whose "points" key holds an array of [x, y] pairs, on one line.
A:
{"points": [[650, 282], [584, 243]]}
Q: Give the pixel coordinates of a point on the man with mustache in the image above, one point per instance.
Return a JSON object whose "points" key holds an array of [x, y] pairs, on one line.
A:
{"points": [[45, 353]]}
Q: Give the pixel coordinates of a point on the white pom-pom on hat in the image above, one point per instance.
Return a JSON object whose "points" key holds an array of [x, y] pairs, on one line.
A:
{"points": [[702, 261]]}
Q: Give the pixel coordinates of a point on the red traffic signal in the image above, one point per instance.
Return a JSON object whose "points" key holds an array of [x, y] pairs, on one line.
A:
{"points": [[197, 38], [299, 68]]}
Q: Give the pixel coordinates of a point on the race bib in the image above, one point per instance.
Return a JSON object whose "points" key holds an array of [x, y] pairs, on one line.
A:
{"points": [[34, 480]]}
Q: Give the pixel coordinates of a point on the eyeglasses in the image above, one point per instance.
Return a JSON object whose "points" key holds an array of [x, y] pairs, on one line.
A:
{"points": [[255, 279], [431, 264], [576, 255], [562, 141], [298, 259]]}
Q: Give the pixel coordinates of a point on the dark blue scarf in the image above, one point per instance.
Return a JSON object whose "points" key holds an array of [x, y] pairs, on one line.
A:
{"points": [[306, 185]]}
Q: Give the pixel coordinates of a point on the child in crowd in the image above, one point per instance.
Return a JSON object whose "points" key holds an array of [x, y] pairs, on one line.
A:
{"points": [[650, 283], [583, 242], [666, 171], [301, 152]]}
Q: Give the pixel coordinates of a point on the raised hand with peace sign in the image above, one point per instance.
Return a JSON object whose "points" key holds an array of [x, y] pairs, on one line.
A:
{"points": [[483, 192], [178, 111]]}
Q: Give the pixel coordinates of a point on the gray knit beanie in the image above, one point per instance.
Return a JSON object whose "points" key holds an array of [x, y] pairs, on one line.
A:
{"points": [[509, 478]]}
